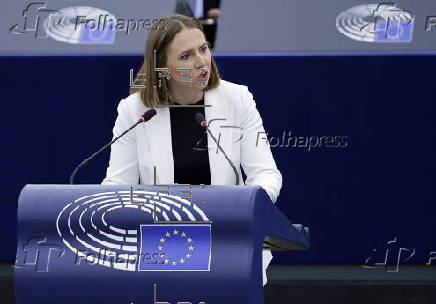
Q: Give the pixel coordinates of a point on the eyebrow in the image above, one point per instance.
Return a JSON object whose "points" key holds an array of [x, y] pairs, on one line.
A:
{"points": [[185, 51]]}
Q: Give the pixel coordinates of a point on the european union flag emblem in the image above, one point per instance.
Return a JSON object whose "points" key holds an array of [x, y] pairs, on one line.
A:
{"points": [[98, 36], [394, 30], [175, 247]]}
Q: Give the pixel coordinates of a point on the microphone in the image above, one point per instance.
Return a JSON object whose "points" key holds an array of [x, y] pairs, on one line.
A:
{"points": [[199, 117], [144, 118]]}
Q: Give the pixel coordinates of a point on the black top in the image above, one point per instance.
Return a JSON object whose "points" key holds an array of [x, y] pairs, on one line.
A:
{"points": [[189, 141]]}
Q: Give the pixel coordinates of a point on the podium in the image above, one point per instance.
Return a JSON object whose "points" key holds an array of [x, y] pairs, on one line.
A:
{"points": [[147, 243]]}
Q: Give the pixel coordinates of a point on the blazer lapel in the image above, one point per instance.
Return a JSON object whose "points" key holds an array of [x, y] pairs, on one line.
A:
{"points": [[218, 117], [159, 135]]}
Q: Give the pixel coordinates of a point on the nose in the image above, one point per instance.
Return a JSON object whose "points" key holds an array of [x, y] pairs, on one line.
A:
{"points": [[200, 61]]}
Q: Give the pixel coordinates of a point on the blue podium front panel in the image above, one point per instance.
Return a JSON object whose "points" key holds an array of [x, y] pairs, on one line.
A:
{"points": [[150, 244]]}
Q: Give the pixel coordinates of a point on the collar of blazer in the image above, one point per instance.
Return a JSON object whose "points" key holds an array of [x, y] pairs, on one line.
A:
{"points": [[219, 117]]}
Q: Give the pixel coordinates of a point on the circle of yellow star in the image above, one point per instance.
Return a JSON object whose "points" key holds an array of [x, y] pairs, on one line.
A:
{"points": [[168, 235]]}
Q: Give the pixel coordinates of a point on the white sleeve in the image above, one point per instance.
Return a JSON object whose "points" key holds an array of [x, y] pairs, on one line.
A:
{"points": [[256, 157], [123, 163]]}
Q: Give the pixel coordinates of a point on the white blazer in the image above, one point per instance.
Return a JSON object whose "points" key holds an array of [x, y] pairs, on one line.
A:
{"points": [[233, 119]]}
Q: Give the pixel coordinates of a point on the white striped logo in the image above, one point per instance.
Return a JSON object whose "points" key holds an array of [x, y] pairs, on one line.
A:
{"points": [[89, 228]]}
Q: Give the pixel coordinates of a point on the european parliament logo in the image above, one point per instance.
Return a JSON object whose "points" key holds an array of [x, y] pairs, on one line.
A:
{"points": [[181, 247], [380, 23], [163, 231], [70, 27]]}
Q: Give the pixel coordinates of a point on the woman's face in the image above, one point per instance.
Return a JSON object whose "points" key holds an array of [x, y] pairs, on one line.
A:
{"points": [[188, 50]]}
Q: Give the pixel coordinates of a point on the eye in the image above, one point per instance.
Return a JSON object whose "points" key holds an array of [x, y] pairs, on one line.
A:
{"points": [[204, 48], [184, 56]]}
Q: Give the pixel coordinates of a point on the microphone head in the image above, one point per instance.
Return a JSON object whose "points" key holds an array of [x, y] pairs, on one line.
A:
{"points": [[199, 117], [148, 115]]}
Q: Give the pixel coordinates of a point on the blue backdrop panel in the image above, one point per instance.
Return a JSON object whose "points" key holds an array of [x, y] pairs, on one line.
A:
{"points": [[373, 178], [148, 244]]}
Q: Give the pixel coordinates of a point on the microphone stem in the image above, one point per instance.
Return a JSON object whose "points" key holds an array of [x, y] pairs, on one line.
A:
{"points": [[225, 155]]}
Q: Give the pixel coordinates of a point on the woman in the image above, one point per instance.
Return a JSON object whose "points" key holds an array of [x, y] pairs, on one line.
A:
{"points": [[172, 147]]}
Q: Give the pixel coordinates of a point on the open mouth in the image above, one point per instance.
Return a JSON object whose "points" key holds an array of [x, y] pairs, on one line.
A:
{"points": [[203, 76]]}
